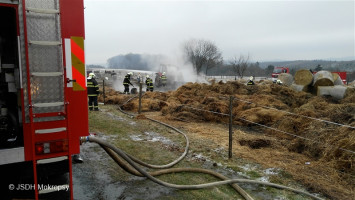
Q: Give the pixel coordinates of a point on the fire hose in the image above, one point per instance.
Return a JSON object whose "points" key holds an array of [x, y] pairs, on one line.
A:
{"points": [[114, 152], [128, 163]]}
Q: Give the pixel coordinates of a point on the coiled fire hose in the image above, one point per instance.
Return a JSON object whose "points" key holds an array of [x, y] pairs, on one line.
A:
{"points": [[112, 149]]}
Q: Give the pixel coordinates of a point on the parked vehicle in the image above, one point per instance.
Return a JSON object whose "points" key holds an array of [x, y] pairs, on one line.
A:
{"points": [[43, 98], [277, 71]]}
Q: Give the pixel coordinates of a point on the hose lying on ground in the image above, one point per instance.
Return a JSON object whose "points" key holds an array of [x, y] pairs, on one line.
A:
{"points": [[132, 171], [123, 155], [160, 166], [140, 172]]}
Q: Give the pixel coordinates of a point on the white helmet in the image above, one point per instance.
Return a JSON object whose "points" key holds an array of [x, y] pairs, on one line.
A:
{"points": [[91, 75], [147, 76], [251, 78], [163, 73]]}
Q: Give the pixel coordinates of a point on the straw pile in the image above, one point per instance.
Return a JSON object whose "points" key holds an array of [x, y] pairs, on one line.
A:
{"points": [[303, 77], [195, 102]]}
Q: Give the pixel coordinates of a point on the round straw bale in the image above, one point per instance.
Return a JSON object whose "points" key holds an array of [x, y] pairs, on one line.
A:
{"points": [[323, 78], [287, 79], [337, 79], [303, 77], [338, 91]]}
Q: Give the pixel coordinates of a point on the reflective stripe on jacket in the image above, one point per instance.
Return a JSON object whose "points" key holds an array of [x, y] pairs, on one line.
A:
{"points": [[149, 83], [163, 78], [93, 87]]}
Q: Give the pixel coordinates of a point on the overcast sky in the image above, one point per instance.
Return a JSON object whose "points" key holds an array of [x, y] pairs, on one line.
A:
{"points": [[266, 30]]}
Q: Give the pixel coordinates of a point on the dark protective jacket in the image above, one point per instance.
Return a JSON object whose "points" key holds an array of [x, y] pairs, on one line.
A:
{"points": [[127, 80], [149, 83], [250, 82], [163, 79], [93, 87]]}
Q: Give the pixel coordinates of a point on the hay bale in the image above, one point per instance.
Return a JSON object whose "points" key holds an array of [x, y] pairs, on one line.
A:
{"points": [[296, 87], [338, 91], [337, 79], [287, 79], [303, 77], [323, 78]]}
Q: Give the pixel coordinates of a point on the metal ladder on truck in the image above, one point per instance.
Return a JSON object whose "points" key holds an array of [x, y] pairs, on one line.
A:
{"points": [[46, 109]]}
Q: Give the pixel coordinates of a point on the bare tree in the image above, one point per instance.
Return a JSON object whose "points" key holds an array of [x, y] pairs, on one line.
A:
{"points": [[202, 54], [240, 65]]}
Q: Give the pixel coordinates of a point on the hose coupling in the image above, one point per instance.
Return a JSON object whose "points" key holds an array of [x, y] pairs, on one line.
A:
{"points": [[84, 139]]}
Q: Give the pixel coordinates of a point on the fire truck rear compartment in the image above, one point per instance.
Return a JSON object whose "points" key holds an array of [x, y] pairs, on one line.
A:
{"points": [[11, 134]]}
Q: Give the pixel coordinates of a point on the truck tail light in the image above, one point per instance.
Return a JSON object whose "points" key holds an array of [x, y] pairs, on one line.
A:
{"points": [[39, 149], [51, 147]]}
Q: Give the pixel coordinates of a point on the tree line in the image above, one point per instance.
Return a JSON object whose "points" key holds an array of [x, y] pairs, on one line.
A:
{"points": [[206, 59]]}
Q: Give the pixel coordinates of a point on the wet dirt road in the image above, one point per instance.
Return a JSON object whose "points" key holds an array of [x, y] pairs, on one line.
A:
{"points": [[91, 179]]}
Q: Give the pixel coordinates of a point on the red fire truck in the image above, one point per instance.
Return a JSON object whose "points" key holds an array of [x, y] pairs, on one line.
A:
{"points": [[43, 98], [277, 71], [342, 76]]}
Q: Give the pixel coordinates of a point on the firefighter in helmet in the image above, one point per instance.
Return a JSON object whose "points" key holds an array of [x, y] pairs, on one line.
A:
{"points": [[127, 82], [251, 81], [149, 83], [93, 92], [163, 79]]}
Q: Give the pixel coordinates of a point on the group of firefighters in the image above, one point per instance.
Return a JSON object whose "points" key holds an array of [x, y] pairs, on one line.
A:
{"points": [[148, 82], [251, 81], [93, 86]]}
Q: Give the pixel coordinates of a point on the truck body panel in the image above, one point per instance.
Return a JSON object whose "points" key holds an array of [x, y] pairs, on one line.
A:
{"points": [[43, 98]]}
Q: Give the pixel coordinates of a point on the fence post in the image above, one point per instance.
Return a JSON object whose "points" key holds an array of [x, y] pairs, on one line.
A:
{"points": [[230, 126], [140, 98], [103, 89]]}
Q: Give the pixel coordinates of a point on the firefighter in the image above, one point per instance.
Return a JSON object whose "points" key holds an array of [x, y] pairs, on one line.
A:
{"points": [[251, 81], [163, 79], [127, 82], [93, 92], [149, 83]]}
